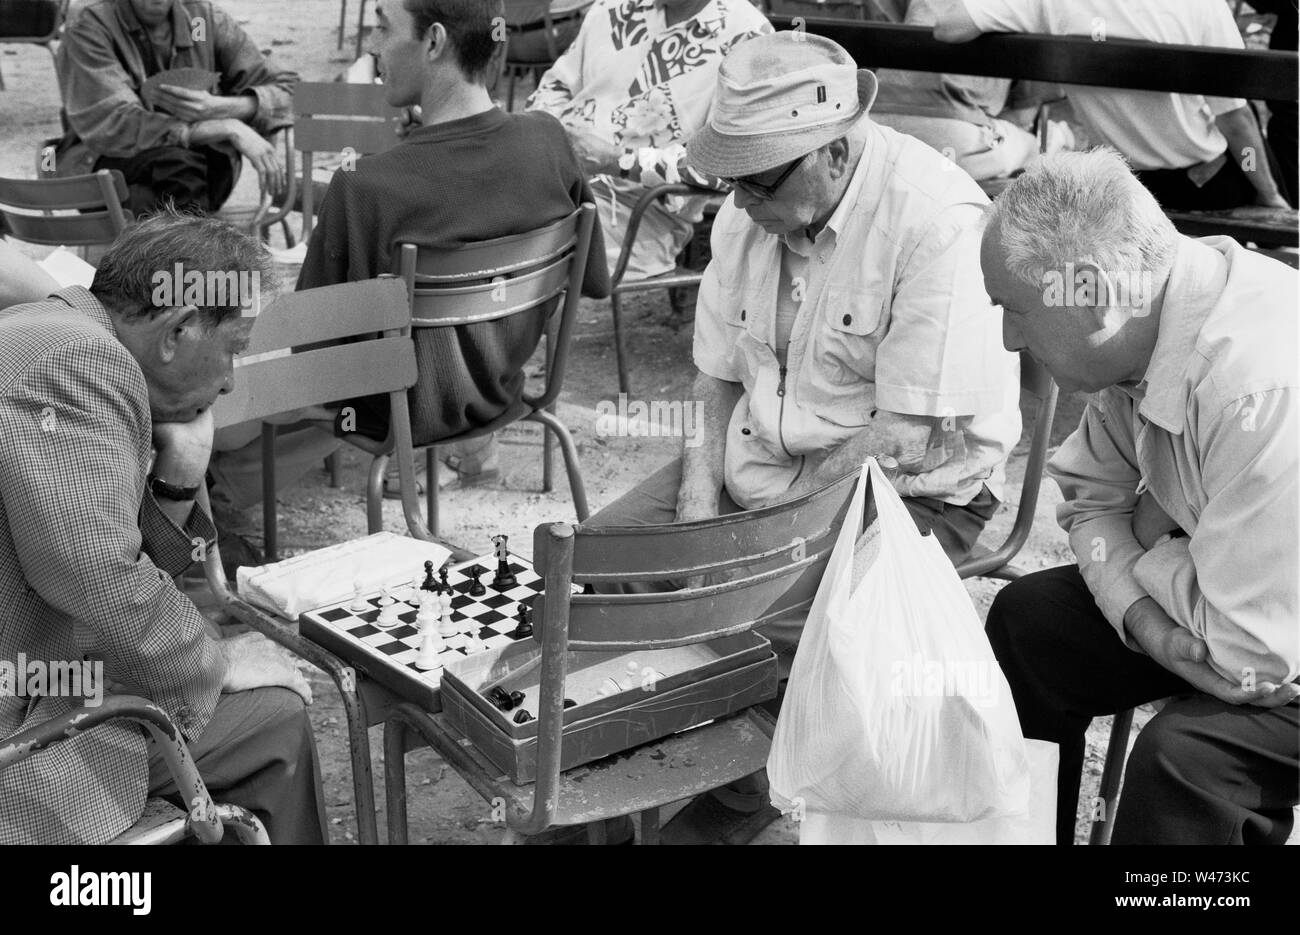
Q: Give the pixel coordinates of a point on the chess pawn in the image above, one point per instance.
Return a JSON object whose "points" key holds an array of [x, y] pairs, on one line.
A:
{"points": [[390, 615], [430, 646], [446, 626], [359, 604]]}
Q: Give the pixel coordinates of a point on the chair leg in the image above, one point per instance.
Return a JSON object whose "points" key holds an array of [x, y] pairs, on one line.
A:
{"points": [[395, 780], [570, 452], [270, 535], [363, 780], [431, 488], [375, 495], [343, 22], [334, 465], [548, 445], [510, 89], [620, 352], [361, 26], [650, 826], [1111, 776]]}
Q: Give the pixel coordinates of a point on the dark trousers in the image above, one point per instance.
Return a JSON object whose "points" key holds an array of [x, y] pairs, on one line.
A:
{"points": [[1228, 188], [1201, 771], [194, 180], [258, 752]]}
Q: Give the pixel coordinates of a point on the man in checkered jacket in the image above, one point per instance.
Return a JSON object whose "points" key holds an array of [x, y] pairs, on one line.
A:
{"points": [[106, 421]]}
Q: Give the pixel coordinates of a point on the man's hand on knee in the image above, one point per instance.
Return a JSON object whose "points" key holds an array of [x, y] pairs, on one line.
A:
{"points": [[253, 661], [1179, 651]]}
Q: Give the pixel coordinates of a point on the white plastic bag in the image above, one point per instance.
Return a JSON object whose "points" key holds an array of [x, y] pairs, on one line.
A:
{"points": [[1035, 826], [896, 709]]}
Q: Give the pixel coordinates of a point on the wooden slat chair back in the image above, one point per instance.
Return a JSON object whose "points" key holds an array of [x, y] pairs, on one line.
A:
{"points": [[490, 281], [95, 206], [775, 556], [982, 563], [334, 117], [271, 377]]}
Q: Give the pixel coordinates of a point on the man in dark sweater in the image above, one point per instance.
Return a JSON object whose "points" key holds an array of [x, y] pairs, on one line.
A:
{"points": [[467, 172]]}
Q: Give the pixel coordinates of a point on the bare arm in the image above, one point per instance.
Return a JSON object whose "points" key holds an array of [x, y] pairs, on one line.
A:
{"points": [[903, 438], [1247, 147], [702, 463]]}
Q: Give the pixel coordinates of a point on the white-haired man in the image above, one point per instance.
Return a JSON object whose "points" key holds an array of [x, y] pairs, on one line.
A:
{"points": [[842, 316], [1180, 489]]}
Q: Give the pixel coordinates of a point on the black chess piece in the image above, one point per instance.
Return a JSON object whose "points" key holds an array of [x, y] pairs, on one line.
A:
{"points": [[429, 584], [516, 699], [444, 586], [476, 588], [570, 703], [524, 628], [522, 716], [501, 698], [504, 578]]}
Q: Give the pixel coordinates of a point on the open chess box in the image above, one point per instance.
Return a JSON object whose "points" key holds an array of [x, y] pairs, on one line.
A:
{"points": [[613, 701]]}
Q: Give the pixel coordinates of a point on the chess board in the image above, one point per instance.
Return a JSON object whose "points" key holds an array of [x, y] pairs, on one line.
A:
{"points": [[388, 655]]}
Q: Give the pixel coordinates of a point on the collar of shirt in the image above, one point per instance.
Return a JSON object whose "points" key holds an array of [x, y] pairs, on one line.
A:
{"points": [[799, 242], [181, 30], [1196, 285], [712, 18], [83, 300]]}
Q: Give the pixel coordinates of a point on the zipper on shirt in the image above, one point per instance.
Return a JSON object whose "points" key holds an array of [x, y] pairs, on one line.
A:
{"points": [[780, 416]]}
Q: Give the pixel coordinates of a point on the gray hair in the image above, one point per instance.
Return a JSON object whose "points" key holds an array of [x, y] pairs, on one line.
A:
{"points": [[127, 277], [1084, 207]]}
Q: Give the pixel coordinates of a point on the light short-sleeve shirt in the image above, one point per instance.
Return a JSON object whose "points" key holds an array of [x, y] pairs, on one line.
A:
{"points": [[1153, 129], [891, 314]]}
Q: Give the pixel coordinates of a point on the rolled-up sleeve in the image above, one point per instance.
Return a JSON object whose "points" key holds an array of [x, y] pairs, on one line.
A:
{"points": [[71, 481], [103, 108], [245, 70], [1233, 583], [1096, 469], [714, 347]]}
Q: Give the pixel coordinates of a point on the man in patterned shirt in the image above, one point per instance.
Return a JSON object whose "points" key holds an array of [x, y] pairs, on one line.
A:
{"points": [[635, 84], [105, 408]]}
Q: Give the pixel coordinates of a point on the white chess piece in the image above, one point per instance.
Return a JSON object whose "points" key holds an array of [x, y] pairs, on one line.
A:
{"points": [[389, 610], [430, 646], [446, 626], [359, 604], [427, 618]]}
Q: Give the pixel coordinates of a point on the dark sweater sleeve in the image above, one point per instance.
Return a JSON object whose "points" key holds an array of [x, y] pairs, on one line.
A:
{"points": [[329, 253]]}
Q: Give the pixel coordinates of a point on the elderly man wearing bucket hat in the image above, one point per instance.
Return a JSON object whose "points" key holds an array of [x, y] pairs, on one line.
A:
{"points": [[843, 315]]}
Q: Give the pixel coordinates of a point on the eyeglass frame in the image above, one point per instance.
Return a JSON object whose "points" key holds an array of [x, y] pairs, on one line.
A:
{"points": [[758, 189]]}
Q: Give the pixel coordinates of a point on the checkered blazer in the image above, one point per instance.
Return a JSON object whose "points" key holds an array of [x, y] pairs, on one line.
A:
{"points": [[86, 566]]}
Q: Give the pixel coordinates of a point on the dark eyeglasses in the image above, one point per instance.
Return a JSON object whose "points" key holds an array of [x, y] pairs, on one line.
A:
{"points": [[765, 192]]}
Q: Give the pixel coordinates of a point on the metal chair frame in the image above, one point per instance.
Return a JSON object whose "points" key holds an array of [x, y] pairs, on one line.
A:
{"points": [[95, 204], [161, 823]]}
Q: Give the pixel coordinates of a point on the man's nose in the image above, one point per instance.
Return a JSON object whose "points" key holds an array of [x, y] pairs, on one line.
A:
{"points": [[1011, 338], [743, 199]]}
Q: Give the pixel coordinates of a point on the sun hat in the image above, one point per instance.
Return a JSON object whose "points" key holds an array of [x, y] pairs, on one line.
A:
{"points": [[779, 97]]}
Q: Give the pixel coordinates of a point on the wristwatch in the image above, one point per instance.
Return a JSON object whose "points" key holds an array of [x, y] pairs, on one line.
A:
{"points": [[160, 488]]}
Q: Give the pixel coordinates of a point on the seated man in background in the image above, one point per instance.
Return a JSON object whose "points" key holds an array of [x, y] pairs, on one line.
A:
{"points": [[635, 84], [1191, 151], [1180, 489], [842, 316], [469, 173], [172, 143], [105, 407], [959, 115]]}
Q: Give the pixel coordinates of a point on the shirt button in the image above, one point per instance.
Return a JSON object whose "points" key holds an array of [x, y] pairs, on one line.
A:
{"points": [[742, 314], [744, 431], [848, 320]]}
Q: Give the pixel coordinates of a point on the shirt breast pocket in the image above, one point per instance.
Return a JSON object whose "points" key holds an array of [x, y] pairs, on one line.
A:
{"points": [[850, 318]]}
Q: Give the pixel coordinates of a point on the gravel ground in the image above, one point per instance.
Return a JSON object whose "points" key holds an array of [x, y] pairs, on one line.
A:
{"points": [[443, 809]]}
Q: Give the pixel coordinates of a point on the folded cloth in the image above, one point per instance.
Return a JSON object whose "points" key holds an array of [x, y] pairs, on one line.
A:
{"points": [[330, 575]]}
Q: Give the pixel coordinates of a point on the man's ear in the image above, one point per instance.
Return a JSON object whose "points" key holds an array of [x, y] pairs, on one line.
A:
{"points": [[1093, 289], [170, 327], [439, 46], [837, 155]]}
